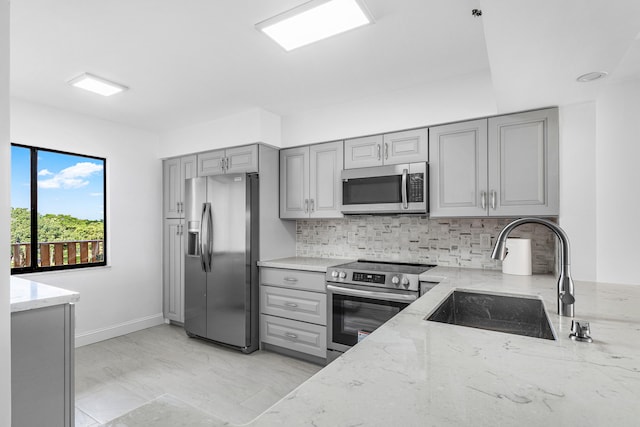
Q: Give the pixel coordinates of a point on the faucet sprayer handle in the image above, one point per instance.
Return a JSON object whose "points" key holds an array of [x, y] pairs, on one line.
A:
{"points": [[566, 297]]}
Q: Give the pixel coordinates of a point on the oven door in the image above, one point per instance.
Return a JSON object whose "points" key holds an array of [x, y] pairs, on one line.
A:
{"points": [[354, 312], [385, 189]]}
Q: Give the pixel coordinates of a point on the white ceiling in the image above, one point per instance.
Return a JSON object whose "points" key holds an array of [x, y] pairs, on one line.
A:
{"points": [[188, 61]]}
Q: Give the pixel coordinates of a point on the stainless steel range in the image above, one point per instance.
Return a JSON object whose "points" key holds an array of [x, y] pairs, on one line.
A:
{"points": [[363, 295]]}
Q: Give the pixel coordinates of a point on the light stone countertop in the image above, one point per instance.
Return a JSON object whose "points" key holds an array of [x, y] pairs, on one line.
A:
{"points": [[304, 263], [26, 295], [411, 372]]}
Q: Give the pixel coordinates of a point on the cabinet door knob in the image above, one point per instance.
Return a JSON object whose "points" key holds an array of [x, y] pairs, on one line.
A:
{"points": [[483, 200], [493, 199], [378, 148], [386, 151]]}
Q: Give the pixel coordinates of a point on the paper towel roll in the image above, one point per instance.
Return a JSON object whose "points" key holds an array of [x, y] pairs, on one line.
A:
{"points": [[518, 259]]}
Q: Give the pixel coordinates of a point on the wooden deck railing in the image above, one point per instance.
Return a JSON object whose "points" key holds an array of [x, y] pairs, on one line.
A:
{"points": [[58, 253]]}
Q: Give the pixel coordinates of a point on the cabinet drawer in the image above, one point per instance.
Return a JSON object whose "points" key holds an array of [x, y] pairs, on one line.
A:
{"points": [[292, 334], [294, 279], [293, 304]]}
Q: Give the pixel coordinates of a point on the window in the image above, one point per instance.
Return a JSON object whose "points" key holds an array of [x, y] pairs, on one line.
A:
{"points": [[57, 210]]}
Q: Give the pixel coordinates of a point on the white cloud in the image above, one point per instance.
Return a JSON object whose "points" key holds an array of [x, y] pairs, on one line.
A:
{"points": [[71, 177], [45, 172]]}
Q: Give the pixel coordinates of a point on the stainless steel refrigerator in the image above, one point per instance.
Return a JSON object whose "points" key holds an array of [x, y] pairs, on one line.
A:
{"points": [[221, 273]]}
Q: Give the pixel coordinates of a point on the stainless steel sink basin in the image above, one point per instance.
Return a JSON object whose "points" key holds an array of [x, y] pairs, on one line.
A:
{"points": [[519, 315]]}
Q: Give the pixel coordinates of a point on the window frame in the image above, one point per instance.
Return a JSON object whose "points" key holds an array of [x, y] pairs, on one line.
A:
{"points": [[33, 173]]}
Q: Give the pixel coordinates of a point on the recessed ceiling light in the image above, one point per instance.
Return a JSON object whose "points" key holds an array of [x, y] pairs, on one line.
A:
{"points": [[315, 20], [589, 77], [97, 84]]}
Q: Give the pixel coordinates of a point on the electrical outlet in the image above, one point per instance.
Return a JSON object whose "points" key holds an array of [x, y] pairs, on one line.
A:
{"points": [[485, 241]]}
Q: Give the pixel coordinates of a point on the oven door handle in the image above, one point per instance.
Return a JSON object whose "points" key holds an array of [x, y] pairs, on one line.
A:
{"points": [[370, 294]]}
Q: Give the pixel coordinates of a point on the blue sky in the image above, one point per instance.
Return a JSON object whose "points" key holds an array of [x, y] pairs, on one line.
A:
{"points": [[67, 184]]}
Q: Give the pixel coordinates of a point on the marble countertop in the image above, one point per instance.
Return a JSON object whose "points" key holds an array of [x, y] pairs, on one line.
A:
{"points": [[304, 263], [411, 372], [26, 295]]}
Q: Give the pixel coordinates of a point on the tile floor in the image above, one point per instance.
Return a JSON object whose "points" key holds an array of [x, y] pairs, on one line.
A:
{"points": [[116, 376]]}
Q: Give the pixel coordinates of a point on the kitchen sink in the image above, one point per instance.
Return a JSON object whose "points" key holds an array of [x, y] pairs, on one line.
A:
{"points": [[519, 315]]}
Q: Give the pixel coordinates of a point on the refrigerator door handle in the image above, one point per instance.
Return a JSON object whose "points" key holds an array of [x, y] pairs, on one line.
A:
{"points": [[206, 237]]}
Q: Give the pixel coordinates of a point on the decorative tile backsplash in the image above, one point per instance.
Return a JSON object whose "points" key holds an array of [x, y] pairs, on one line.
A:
{"points": [[456, 242]]}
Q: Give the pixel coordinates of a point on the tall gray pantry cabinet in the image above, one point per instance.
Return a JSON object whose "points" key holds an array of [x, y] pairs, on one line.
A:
{"points": [[176, 171]]}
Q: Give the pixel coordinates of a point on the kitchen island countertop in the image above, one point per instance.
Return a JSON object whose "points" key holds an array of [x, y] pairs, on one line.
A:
{"points": [[411, 372], [27, 294]]}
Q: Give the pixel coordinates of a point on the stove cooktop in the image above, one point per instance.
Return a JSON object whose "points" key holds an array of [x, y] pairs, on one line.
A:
{"points": [[380, 274]]}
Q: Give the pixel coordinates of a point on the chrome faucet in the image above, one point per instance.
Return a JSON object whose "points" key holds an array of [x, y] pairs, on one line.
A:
{"points": [[566, 298]]}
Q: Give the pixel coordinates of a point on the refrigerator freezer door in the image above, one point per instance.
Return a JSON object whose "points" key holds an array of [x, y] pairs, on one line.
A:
{"points": [[195, 279], [228, 283]]}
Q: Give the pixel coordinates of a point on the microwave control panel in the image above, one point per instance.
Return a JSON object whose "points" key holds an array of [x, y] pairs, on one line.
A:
{"points": [[416, 187]]}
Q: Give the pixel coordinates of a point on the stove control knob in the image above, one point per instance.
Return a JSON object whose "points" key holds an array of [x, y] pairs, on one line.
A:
{"points": [[395, 280], [342, 274], [405, 281], [334, 274]]}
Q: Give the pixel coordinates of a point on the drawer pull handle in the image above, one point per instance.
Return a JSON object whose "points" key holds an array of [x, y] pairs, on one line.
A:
{"points": [[290, 279], [291, 336], [291, 305]]}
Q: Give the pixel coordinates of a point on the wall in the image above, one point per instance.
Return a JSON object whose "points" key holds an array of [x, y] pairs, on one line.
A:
{"points": [[5, 167], [126, 295], [617, 154], [461, 242], [248, 127], [467, 97], [578, 177]]}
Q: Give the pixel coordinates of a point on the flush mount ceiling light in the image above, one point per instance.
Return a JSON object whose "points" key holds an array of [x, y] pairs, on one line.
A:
{"points": [[589, 77], [315, 20], [96, 84]]}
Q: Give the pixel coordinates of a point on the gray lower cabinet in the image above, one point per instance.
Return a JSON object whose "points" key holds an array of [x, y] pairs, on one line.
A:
{"points": [[42, 367], [293, 312], [501, 166], [173, 269], [310, 185]]}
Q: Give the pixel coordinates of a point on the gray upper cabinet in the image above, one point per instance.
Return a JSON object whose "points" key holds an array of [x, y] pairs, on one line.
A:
{"points": [[294, 183], [325, 186], [406, 147], [231, 160], [388, 149], [211, 163], [501, 166], [524, 164], [176, 171], [458, 169], [363, 152], [310, 185]]}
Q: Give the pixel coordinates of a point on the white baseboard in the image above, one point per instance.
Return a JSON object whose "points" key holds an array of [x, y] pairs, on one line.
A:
{"points": [[113, 331]]}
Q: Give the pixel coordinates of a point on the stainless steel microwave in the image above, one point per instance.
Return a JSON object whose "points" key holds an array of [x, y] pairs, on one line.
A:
{"points": [[389, 189]]}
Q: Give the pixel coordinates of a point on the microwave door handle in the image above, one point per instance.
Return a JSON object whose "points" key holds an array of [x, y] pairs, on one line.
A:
{"points": [[405, 202], [370, 294]]}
